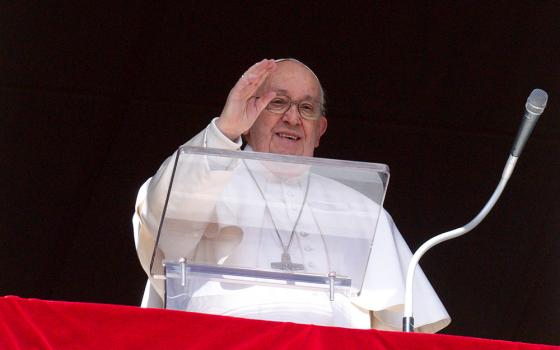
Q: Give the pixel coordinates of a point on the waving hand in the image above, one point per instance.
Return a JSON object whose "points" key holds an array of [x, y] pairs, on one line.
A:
{"points": [[242, 108]]}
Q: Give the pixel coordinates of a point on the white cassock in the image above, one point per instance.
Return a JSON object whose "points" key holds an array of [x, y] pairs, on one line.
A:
{"points": [[265, 231]]}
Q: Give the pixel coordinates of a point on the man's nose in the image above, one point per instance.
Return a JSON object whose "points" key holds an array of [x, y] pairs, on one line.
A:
{"points": [[292, 115]]}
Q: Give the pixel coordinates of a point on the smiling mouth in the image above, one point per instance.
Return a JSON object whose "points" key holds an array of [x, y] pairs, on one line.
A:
{"points": [[287, 136]]}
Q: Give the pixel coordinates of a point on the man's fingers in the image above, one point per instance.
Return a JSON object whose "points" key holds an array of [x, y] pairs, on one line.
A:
{"points": [[253, 78], [264, 100], [262, 77], [260, 68]]}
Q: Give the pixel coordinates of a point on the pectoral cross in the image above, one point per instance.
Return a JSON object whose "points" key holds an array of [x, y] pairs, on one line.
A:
{"points": [[286, 264]]}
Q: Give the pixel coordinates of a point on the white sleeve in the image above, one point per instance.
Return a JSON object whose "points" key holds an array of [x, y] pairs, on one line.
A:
{"points": [[151, 198]]}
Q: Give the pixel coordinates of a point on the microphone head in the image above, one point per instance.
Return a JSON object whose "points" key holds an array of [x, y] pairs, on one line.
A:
{"points": [[536, 102]]}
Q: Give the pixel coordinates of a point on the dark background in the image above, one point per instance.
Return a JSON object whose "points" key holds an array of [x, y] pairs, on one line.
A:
{"points": [[94, 96]]}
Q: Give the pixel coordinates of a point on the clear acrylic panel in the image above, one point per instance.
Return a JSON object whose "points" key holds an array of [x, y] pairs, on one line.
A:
{"points": [[243, 218]]}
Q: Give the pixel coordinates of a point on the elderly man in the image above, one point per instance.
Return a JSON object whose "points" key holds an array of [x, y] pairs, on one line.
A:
{"points": [[278, 107], [288, 132]]}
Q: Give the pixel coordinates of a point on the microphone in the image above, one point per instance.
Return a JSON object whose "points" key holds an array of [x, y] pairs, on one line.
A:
{"points": [[533, 109], [536, 102]]}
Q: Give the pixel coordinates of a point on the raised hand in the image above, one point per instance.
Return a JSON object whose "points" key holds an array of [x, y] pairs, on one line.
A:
{"points": [[242, 108]]}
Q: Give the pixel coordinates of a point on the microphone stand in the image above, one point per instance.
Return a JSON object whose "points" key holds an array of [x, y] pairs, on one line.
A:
{"points": [[536, 102], [408, 319]]}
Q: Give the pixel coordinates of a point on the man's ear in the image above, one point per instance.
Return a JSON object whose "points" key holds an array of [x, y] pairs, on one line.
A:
{"points": [[321, 128]]}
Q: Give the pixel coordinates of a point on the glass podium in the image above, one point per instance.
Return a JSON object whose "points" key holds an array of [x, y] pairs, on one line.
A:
{"points": [[243, 233]]}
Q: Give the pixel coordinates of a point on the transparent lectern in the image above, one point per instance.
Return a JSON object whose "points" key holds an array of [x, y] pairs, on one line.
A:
{"points": [[266, 236]]}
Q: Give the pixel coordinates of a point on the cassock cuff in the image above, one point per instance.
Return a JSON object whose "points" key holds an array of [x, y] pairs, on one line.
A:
{"points": [[216, 139]]}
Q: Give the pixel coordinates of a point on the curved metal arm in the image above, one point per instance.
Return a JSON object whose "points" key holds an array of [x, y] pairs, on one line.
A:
{"points": [[408, 320]]}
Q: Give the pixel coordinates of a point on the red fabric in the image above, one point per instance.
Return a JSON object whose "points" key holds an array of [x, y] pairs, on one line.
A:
{"points": [[38, 324]]}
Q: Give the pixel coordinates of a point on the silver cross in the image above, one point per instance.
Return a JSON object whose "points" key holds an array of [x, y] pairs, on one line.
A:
{"points": [[287, 264]]}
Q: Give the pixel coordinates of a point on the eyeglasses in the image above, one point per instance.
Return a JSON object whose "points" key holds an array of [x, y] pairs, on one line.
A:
{"points": [[307, 109]]}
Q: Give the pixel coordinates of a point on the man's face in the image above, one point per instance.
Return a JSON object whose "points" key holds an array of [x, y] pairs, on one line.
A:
{"points": [[288, 133]]}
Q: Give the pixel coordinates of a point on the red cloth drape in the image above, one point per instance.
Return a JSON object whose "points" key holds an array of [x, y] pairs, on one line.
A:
{"points": [[38, 324]]}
